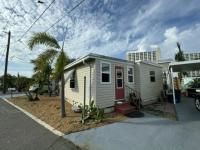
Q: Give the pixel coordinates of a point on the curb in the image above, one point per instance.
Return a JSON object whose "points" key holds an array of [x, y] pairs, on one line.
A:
{"points": [[44, 124]]}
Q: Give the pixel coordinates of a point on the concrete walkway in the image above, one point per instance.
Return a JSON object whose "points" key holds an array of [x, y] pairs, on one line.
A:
{"points": [[148, 133], [19, 132]]}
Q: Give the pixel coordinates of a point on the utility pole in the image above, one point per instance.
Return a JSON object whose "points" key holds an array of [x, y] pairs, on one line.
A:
{"points": [[6, 65]]}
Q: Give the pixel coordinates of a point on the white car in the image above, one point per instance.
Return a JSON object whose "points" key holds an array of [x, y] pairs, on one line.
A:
{"points": [[33, 87], [12, 89]]}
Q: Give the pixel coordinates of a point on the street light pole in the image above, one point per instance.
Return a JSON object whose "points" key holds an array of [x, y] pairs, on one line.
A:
{"points": [[6, 65]]}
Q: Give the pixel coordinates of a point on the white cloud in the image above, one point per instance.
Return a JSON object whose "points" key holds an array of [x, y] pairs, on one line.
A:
{"points": [[188, 39], [107, 27]]}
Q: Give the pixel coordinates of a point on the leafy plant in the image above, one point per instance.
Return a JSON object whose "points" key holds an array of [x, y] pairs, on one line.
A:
{"points": [[92, 112], [195, 83]]}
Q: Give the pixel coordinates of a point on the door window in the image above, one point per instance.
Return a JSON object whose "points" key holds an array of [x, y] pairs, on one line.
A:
{"points": [[119, 78]]}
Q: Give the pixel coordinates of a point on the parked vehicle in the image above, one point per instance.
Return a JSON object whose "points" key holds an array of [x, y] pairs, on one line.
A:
{"points": [[191, 92], [192, 86], [42, 90], [197, 100], [33, 87], [12, 89]]}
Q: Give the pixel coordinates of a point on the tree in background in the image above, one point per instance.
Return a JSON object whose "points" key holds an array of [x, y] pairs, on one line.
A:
{"points": [[43, 68], [55, 51], [179, 55], [21, 83]]}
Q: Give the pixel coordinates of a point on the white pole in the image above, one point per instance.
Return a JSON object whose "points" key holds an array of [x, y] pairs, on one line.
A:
{"points": [[172, 78]]}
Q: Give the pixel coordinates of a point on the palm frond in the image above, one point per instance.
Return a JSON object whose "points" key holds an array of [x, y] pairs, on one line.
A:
{"points": [[44, 39], [179, 56], [179, 46], [61, 62], [33, 61], [48, 56], [45, 58]]}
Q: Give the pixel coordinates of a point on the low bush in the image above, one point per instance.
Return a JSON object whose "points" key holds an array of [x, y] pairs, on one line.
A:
{"points": [[92, 112]]}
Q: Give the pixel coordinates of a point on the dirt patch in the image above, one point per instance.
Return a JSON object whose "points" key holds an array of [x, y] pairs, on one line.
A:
{"points": [[161, 109], [48, 110]]}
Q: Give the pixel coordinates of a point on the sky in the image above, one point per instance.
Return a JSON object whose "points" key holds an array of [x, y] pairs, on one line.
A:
{"points": [[107, 27]]}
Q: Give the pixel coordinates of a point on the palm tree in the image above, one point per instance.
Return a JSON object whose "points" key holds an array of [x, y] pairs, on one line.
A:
{"points": [[55, 51], [179, 55]]}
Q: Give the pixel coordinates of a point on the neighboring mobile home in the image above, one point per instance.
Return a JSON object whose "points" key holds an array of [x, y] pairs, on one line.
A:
{"points": [[108, 80]]}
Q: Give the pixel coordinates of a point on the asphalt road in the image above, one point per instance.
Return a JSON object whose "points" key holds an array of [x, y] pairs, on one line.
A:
{"points": [[19, 132]]}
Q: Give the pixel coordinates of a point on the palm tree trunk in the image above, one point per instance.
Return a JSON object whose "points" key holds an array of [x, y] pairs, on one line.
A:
{"points": [[63, 113]]}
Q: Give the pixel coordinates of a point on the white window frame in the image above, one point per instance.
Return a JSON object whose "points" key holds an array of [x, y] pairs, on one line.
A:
{"points": [[109, 72], [128, 67]]}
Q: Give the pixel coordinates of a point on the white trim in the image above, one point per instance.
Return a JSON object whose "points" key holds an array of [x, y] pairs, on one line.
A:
{"points": [[96, 56], [148, 63], [44, 124], [105, 62], [130, 75]]}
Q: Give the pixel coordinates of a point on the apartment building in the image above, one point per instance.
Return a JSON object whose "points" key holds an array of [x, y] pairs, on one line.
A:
{"points": [[152, 56], [192, 56]]}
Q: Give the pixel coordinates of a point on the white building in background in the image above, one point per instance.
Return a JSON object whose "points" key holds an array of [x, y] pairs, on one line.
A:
{"points": [[192, 56], [152, 56]]}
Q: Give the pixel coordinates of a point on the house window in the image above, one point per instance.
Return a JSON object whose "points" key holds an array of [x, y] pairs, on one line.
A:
{"points": [[152, 76], [105, 72], [130, 74], [72, 80]]}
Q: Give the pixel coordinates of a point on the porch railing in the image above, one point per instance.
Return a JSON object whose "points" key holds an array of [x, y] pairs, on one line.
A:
{"points": [[133, 96]]}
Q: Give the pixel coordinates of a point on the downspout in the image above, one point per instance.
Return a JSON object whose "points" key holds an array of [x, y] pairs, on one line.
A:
{"points": [[90, 86], [172, 79]]}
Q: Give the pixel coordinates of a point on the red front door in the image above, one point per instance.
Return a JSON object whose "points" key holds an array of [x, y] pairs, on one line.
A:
{"points": [[119, 83]]}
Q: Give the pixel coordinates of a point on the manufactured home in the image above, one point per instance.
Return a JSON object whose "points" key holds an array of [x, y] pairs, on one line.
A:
{"points": [[109, 80]]}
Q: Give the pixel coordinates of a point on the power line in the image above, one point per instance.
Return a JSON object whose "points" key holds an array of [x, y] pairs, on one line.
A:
{"points": [[72, 9], [36, 20], [20, 59], [11, 13]]}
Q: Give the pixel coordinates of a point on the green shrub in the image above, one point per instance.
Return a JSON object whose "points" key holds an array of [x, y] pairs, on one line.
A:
{"points": [[92, 112]]}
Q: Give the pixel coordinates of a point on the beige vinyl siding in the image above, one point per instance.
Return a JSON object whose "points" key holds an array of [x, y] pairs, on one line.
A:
{"points": [[150, 91], [105, 93], [137, 77], [77, 93]]}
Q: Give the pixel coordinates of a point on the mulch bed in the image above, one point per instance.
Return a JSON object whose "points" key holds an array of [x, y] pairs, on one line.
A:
{"points": [[161, 109], [48, 110]]}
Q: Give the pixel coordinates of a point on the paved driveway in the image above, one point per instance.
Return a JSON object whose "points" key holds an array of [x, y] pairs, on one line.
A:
{"points": [[19, 132], [148, 133]]}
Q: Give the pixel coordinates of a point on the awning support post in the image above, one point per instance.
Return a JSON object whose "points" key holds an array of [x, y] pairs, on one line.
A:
{"points": [[173, 90]]}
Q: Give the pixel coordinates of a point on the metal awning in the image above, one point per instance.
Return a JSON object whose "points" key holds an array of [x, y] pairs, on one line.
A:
{"points": [[184, 66]]}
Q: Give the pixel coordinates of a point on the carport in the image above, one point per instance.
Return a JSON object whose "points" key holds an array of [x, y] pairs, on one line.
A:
{"points": [[183, 66]]}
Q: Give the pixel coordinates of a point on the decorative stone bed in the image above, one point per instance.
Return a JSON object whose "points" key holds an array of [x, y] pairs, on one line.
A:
{"points": [[48, 110]]}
